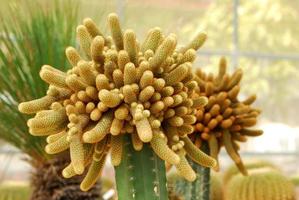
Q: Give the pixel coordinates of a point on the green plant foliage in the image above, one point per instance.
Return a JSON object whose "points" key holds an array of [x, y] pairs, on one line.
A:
{"points": [[28, 40], [14, 191], [295, 180], [263, 183], [129, 175]]}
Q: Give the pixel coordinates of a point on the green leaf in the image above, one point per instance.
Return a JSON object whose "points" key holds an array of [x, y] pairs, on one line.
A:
{"points": [[29, 40]]}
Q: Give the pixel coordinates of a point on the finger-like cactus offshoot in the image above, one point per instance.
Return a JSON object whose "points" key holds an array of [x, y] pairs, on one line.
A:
{"points": [[115, 87], [225, 120]]}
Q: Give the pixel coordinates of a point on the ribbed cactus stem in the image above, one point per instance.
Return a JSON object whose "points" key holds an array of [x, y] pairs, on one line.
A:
{"points": [[200, 188], [203, 181], [141, 174]]}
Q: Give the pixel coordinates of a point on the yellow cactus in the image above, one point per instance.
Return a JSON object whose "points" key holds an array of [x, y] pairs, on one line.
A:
{"points": [[94, 172], [197, 155], [117, 87], [57, 146], [77, 154], [249, 165], [137, 143], [100, 130], [261, 184], [69, 171], [225, 120], [116, 149], [184, 169], [116, 31], [160, 147], [196, 43]]}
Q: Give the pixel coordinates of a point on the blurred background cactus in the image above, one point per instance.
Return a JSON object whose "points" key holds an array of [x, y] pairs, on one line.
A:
{"points": [[262, 183], [231, 171], [178, 189], [265, 180]]}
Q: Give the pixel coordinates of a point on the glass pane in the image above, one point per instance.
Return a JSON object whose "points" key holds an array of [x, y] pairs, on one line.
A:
{"points": [[185, 18], [98, 11], [276, 84], [269, 26]]}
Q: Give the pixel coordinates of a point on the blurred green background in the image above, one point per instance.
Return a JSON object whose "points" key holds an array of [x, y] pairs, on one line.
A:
{"points": [[260, 36]]}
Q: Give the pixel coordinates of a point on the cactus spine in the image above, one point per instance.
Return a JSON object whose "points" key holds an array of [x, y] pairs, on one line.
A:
{"points": [[141, 174]]}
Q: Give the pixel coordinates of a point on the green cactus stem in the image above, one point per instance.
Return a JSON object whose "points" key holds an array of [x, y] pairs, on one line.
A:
{"points": [[141, 174], [200, 188]]}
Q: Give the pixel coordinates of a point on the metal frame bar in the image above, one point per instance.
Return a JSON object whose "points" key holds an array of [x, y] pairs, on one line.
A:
{"points": [[121, 10], [235, 37]]}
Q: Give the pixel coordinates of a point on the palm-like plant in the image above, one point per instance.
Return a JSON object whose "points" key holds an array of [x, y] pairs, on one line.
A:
{"points": [[32, 34]]}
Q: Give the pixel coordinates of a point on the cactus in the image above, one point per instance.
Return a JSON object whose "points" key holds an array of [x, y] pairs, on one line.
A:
{"points": [[135, 165], [116, 89], [200, 188], [225, 120], [263, 183], [182, 190], [216, 189], [252, 164]]}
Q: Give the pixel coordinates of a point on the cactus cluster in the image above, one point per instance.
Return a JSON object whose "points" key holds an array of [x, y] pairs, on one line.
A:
{"points": [[225, 120], [263, 183], [117, 86]]}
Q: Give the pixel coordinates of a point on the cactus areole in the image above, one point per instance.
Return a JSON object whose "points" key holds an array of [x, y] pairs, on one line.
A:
{"points": [[116, 89]]}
